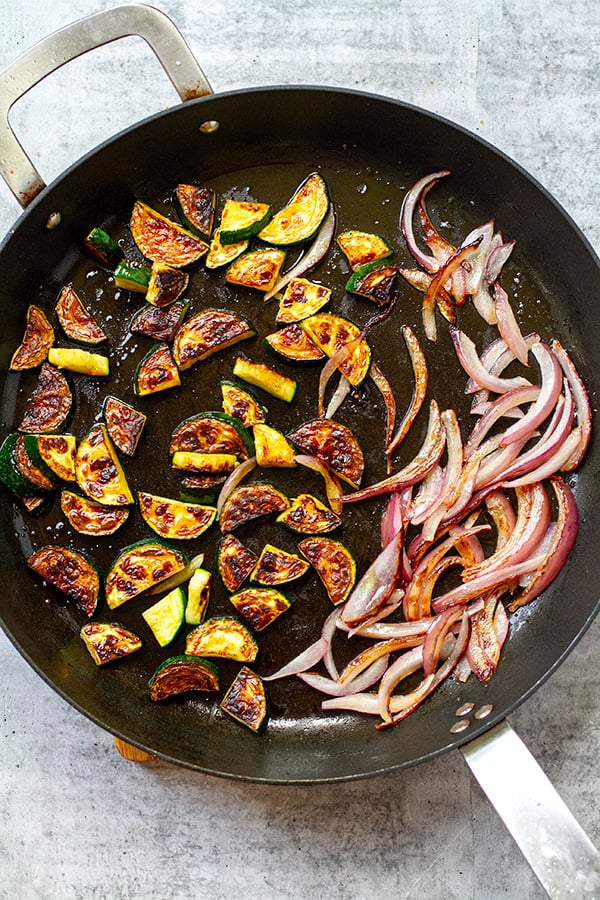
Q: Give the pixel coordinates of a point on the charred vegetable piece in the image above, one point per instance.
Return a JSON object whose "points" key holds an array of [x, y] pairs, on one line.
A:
{"points": [[141, 566], [157, 371], [26, 460], [257, 269], [208, 332], [163, 241], [165, 617], [266, 377], [302, 298], [242, 219], [272, 448], [132, 278], [198, 595], [240, 403], [182, 674], [76, 321], [200, 488], [213, 432], [250, 501], [220, 255], [246, 700], [195, 207], [335, 445], [124, 424], [37, 340], [160, 323], [302, 217], [57, 452], [276, 566], [98, 470], [224, 637], [333, 563], [206, 463], [375, 282], [331, 333], [308, 515], [294, 344], [235, 561], [166, 284], [79, 361], [88, 517], [109, 641], [69, 572], [11, 475], [361, 247], [175, 519], [49, 406], [103, 248]]}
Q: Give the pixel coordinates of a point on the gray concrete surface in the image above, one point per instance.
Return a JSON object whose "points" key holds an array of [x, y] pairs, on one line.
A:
{"points": [[78, 821]]}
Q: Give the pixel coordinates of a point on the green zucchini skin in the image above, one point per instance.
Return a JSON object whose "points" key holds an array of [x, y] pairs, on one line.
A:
{"points": [[103, 248], [132, 278], [195, 206], [10, 476]]}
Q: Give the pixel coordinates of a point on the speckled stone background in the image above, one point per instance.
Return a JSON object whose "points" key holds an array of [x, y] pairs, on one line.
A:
{"points": [[78, 821]]}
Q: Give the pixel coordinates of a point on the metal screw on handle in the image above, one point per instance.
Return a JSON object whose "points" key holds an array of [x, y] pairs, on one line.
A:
{"points": [[52, 52]]}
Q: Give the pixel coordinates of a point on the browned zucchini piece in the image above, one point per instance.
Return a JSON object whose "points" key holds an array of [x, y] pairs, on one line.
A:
{"points": [[294, 344], [235, 561], [200, 485], [361, 247], [195, 205], [308, 515], [139, 567], [165, 617], [266, 377], [205, 463], [240, 403], [25, 458], [198, 595], [333, 563], [212, 432], [130, 277], [250, 501], [77, 360], [302, 298], [37, 340], [224, 637], [182, 674], [208, 332], [34, 504], [11, 475], [161, 240], [160, 323], [276, 566], [271, 447], [335, 445], [246, 700], [109, 641], [220, 255], [242, 219], [124, 424], [69, 572], [301, 217], [76, 321], [156, 371], [330, 333], [257, 269], [49, 406], [98, 470], [375, 282], [166, 284], [88, 517], [260, 606], [174, 519], [103, 248], [57, 451]]}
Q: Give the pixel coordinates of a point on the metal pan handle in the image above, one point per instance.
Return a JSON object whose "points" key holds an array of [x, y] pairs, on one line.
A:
{"points": [[558, 850], [76, 39]]}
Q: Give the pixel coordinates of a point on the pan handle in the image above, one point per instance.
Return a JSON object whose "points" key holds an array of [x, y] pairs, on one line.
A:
{"points": [[558, 850], [76, 39]]}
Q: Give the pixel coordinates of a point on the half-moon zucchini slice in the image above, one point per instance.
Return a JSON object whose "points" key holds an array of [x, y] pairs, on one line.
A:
{"points": [[208, 332], [260, 606], [302, 217], [331, 333], [251, 501], [88, 517], [69, 572], [182, 674], [175, 519], [76, 321], [109, 641], [99, 472], [37, 340], [333, 563], [161, 240], [48, 408], [335, 445], [308, 515], [139, 567], [225, 637], [246, 700]]}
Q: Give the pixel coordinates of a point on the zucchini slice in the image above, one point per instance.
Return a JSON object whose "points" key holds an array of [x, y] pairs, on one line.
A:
{"points": [[250, 501], [103, 248], [160, 323], [132, 278], [235, 561], [161, 240], [260, 606], [109, 641], [76, 360], [166, 284], [200, 488], [362, 247], [98, 470], [331, 333], [333, 563], [69, 572], [57, 452], [272, 448], [156, 371], [266, 377], [246, 700], [375, 282], [220, 254], [124, 424], [141, 566], [174, 519], [165, 617], [49, 406], [205, 463], [275, 566], [307, 515], [208, 332], [224, 637], [240, 404], [302, 298], [257, 269], [88, 517], [11, 475], [195, 207], [294, 344], [302, 216], [242, 219], [76, 321], [37, 340], [28, 463], [198, 595], [212, 432], [182, 674], [335, 445]]}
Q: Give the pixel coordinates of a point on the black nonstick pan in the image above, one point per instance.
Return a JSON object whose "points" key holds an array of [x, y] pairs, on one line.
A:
{"points": [[262, 143]]}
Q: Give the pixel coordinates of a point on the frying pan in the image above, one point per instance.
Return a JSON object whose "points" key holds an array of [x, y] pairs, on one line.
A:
{"points": [[370, 150]]}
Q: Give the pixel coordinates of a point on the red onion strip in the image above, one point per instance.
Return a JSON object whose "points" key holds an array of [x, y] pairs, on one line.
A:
{"points": [[374, 588], [438, 281], [477, 586], [582, 403], [421, 376], [333, 487], [497, 410], [363, 681], [508, 325], [234, 479], [471, 363], [305, 660], [409, 204], [385, 389], [548, 396]]}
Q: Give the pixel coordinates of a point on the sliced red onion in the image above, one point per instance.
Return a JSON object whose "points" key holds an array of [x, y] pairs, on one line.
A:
{"points": [[314, 254], [341, 392], [421, 376], [327, 633], [552, 465], [333, 487], [477, 586], [308, 659], [474, 277], [375, 651], [483, 650], [496, 411], [401, 668], [365, 680], [409, 205], [429, 496], [582, 403], [483, 303], [495, 262], [435, 637], [508, 325], [385, 389], [551, 377], [468, 357], [438, 281], [439, 246], [501, 511], [374, 588], [394, 601], [384, 631], [232, 480], [392, 520]]}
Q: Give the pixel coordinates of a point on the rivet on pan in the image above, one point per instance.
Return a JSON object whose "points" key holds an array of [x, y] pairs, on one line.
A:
{"points": [[209, 127], [460, 726], [484, 711], [465, 709], [54, 219]]}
